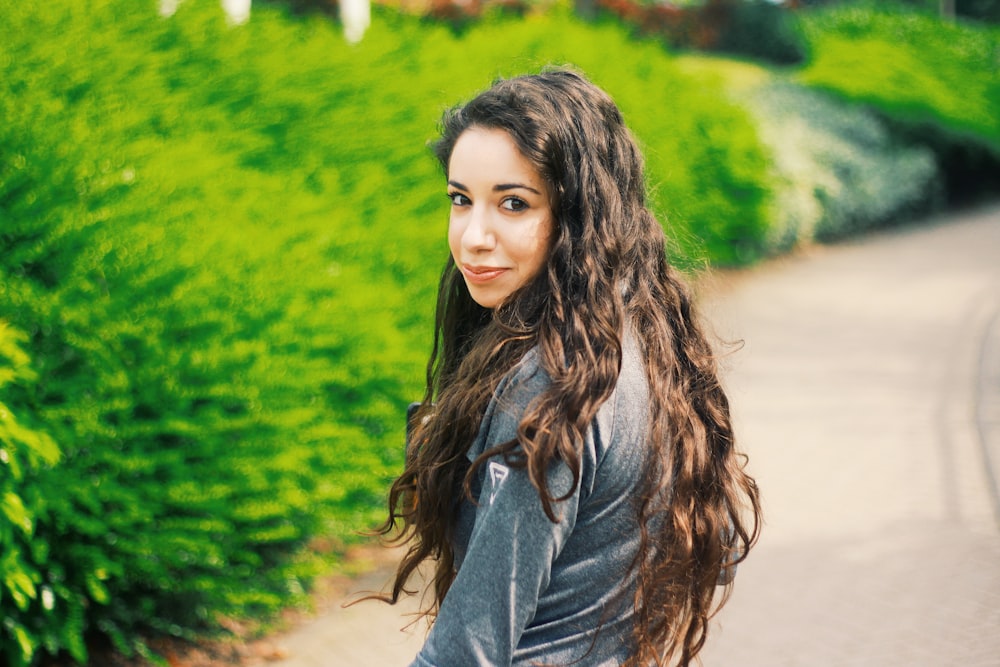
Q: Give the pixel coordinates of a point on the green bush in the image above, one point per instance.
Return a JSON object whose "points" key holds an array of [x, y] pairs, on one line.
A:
{"points": [[199, 352], [839, 168], [36, 609], [222, 245], [910, 65]]}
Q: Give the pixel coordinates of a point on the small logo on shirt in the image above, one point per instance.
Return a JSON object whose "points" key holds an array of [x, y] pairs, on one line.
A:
{"points": [[498, 473]]}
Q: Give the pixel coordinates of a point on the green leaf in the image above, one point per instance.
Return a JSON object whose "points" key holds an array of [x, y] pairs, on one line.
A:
{"points": [[98, 592], [25, 641], [13, 508]]}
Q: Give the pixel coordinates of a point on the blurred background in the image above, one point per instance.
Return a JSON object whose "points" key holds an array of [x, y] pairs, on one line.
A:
{"points": [[221, 231]]}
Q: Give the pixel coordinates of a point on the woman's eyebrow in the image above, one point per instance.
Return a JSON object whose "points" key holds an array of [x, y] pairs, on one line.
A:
{"points": [[500, 187], [514, 186]]}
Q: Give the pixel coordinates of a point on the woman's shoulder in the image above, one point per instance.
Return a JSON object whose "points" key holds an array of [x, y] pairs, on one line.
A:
{"points": [[528, 377], [525, 380]]}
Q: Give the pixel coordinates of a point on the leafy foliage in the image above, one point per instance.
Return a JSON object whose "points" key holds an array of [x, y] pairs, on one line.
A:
{"points": [[910, 65], [36, 609], [839, 168]]}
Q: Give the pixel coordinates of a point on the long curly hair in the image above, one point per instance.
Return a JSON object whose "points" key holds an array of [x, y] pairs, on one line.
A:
{"points": [[607, 273]]}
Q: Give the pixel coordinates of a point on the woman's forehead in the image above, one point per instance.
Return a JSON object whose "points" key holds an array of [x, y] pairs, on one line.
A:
{"points": [[491, 154]]}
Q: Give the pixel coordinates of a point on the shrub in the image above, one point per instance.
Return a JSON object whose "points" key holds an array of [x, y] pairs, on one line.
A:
{"points": [[37, 609], [837, 167], [840, 169], [933, 82], [212, 416], [910, 65]]}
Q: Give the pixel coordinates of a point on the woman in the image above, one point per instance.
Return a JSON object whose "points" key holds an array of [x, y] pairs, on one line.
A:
{"points": [[571, 471]]}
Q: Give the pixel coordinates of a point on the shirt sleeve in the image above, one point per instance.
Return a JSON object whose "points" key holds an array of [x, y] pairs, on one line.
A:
{"points": [[512, 547]]}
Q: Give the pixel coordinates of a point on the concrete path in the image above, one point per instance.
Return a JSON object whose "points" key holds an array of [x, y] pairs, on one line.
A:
{"points": [[867, 396]]}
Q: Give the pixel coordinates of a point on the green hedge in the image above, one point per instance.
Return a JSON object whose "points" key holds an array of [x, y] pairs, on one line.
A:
{"points": [[839, 168], [909, 65], [35, 609], [222, 245]]}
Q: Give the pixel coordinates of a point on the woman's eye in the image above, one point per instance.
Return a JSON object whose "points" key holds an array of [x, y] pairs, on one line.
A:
{"points": [[458, 199], [514, 204]]}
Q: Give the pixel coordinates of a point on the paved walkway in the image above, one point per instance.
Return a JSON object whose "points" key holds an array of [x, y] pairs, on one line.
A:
{"points": [[868, 398]]}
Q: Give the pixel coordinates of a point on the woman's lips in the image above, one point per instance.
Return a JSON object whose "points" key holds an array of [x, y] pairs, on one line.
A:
{"points": [[481, 274]]}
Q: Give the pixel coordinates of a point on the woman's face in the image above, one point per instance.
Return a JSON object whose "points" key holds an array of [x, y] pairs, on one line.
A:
{"points": [[501, 219]]}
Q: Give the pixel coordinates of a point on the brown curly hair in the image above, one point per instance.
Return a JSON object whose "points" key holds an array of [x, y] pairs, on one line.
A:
{"points": [[607, 272]]}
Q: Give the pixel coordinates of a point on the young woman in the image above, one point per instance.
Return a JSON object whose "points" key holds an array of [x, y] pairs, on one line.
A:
{"points": [[571, 472]]}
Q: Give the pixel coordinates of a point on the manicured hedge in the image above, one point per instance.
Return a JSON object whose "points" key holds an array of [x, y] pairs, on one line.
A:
{"points": [[909, 65], [895, 115], [839, 168]]}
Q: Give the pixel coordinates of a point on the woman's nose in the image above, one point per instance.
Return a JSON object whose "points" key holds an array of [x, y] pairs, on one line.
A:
{"points": [[479, 233]]}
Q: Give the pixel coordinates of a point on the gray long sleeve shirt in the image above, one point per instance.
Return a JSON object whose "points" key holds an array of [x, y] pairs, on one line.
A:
{"points": [[532, 592]]}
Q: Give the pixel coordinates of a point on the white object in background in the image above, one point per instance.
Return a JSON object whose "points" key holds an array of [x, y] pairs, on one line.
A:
{"points": [[237, 11], [168, 7], [356, 15]]}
